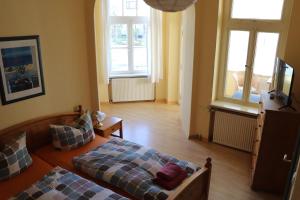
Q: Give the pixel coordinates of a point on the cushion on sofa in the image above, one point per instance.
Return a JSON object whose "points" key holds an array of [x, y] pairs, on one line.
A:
{"points": [[71, 137], [14, 157]]}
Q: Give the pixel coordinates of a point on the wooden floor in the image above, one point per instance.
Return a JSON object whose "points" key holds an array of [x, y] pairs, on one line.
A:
{"points": [[158, 126]]}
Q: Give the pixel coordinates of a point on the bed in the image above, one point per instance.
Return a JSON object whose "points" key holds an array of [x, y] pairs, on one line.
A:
{"points": [[61, 184], [130, 167], [39, 142], [42, 181], [64, 159]]}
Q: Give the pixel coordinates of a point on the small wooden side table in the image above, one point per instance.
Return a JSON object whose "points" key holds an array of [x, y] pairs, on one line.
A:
{"points": [[110, 125]]}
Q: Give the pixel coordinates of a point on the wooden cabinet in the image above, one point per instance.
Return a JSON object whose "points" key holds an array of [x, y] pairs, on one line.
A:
{"points": [[276, 135]]}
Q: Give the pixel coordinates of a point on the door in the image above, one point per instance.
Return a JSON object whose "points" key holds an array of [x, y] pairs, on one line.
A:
{"points": [[291, 193], [253, 34], [250, 63]]}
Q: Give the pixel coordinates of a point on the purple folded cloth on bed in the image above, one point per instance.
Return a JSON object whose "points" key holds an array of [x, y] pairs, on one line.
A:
{"points": [[172, 184], [170, 176], [169, 172]]}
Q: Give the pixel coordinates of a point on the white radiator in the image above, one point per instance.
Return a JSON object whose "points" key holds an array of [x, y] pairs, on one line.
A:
{"points": [[234, 130], [132, 89]]}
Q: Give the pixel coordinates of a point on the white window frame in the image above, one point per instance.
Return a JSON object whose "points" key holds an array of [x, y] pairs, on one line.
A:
{"points": [[253, 26], [130, 21]]}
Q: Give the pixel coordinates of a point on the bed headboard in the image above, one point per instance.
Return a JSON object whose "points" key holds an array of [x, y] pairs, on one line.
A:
{"points": [[37, 130]]}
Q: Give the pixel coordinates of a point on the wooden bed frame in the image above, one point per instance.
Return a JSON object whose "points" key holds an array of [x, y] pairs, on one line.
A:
{"points": [[195, 187]]}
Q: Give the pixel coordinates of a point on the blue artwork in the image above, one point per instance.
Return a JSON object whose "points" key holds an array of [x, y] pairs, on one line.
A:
{"points": [[19, 56], [20, 70]]}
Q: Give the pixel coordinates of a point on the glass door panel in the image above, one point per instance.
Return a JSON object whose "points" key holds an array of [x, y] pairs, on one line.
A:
{"points": [[130, 7], [140, 58], [264, 62], [119, 47], [115, 8], [143, 9], [236, 62], [257, 9]]}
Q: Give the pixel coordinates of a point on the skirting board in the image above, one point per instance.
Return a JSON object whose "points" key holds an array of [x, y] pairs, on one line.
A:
{"points": [[156, 101], [198, 137], [160, 101], [166, 102]]}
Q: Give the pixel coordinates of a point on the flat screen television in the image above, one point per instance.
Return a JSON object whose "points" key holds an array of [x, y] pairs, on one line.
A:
{"points": [[284, 81]]}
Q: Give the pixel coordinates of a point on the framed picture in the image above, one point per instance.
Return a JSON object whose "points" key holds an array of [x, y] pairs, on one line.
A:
{"points": [[21, 71]]}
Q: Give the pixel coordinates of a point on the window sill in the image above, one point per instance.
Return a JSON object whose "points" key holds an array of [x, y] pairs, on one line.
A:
{"points": [[253, 111], [129, 76]]}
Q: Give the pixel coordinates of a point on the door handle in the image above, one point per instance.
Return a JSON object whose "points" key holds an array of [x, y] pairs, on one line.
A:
{"points": [[285, 159]]}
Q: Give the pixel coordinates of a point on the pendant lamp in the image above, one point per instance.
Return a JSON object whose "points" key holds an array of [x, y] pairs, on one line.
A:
{"points": [[170, 5]]}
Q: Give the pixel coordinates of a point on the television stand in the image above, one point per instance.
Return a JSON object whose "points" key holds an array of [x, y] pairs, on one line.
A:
{"points": [[269, 146]]}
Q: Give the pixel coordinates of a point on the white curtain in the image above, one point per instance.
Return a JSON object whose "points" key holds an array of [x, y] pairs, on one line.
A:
{"points": [[156, 54], [105, 41]]}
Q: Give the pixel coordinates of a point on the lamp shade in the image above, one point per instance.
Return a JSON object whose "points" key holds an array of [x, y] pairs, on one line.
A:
{"points": [[170, 5]]}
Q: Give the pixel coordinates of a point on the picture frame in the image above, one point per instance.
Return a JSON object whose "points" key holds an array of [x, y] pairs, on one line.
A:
{"points": [[21, 70]]}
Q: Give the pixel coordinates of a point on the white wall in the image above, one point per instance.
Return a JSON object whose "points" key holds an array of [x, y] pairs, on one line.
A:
{"points": [[186, 64]]}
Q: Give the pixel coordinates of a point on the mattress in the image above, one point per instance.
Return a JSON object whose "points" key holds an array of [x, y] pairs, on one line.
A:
{"points": [[36, 171]]}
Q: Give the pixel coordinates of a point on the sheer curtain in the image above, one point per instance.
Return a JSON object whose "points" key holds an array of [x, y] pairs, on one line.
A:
{"points": [[105, 41], [156, 60]]}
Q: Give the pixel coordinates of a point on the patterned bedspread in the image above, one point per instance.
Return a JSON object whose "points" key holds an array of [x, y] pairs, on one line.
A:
{"points": [[129, 166], [61, 184]]}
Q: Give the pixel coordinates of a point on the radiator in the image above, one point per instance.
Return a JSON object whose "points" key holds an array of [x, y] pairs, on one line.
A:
{"points": [[132, 89], [234, 130]]}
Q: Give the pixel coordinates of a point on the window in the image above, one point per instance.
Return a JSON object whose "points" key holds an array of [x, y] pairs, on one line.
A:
{"points": [[129, 37], [253, 35], [257, 9]]}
